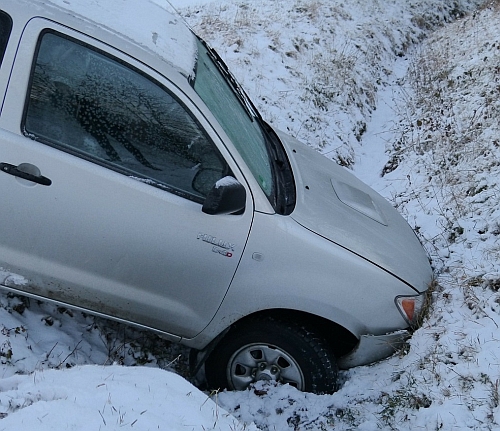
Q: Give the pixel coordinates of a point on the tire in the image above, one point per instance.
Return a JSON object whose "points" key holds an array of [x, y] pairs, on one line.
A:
{"points": [[272, 349]]}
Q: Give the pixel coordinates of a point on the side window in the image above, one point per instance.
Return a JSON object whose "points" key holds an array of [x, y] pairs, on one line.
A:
{"points": [[5, 28], [94, 106]]}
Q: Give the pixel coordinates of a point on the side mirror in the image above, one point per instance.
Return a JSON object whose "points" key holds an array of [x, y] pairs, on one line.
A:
{"points": [[227, 196]]}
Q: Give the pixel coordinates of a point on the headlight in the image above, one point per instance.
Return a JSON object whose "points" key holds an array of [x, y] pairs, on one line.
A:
{"points": [[412, 307]]}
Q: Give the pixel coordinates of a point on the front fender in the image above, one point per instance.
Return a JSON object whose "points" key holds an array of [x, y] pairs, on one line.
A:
{"points": [[286, 266]]}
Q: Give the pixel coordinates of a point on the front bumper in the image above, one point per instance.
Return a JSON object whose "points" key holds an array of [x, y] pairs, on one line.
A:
{"points": [[372, 348]]}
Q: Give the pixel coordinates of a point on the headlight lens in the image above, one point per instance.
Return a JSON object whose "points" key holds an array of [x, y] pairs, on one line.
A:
{"points": [[411, 308]]}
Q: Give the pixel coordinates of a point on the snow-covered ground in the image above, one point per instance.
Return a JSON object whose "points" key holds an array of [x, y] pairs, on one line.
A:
{"points": [[416, 118]]}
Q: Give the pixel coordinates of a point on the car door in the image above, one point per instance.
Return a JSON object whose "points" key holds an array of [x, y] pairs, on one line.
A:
{"points": [[102, 207]]}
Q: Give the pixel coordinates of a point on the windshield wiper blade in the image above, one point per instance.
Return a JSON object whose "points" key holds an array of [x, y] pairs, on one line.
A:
{"points": [[240, 93]]}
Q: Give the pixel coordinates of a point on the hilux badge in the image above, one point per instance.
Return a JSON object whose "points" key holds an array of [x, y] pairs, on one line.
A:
{"points": [[220, 246]]}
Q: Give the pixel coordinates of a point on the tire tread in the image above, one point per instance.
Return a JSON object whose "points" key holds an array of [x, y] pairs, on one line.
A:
{"points": [[318, 362]]}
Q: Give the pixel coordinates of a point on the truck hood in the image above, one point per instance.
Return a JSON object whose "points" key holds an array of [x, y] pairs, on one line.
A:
{"points": [[336, 205]]}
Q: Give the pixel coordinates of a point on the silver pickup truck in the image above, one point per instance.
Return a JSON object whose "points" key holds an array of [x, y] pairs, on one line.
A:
{"points": [[140, 183]]}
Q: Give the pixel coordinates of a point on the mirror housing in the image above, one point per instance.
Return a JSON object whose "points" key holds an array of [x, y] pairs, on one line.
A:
{"points": [[227, 196]]}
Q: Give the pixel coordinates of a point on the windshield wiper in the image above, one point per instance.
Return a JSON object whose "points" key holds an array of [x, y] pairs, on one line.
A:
{"points": [[242, 96], [285, 193]]}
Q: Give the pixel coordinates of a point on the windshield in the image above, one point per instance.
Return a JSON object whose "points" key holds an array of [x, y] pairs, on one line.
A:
{"points": [[235, 116]]}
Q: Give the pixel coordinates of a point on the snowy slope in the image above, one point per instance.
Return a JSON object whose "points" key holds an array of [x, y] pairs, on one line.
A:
{"points": [[314, 67], [357, 81], [108, 398]]}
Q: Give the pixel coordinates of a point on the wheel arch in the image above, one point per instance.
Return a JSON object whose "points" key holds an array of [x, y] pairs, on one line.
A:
{"points": [[340, 340]]}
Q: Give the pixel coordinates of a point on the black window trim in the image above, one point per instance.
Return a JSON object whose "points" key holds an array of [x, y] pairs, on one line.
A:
{"points": [[6, 20], [107, 164]]}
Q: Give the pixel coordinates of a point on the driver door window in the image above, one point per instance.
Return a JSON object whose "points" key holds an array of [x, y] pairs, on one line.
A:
{"points": [[87, 103]]}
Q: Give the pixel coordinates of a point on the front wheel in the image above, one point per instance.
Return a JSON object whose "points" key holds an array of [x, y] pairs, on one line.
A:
{"points": [[271, 349]]}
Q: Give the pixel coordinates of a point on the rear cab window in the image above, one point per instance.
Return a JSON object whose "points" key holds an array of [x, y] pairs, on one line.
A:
{"points": [[5, 29]]}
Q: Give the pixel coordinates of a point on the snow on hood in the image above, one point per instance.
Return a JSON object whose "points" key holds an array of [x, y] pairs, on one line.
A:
{"points": [[149, 23], [336, 205]]}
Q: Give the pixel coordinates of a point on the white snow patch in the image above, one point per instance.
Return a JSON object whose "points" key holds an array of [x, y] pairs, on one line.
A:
{"points": [[150, 23], [112, 397], [9, 278], [226, 182]]}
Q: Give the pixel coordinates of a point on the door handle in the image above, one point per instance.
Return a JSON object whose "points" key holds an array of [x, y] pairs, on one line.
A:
{"points": [[22, 171]]}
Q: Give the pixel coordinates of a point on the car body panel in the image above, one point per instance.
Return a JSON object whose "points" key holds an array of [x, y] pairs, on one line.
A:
{"points": [[333, 203], [305, 272], [373, 348], [106, 242], [165, 35], [110, 243]]}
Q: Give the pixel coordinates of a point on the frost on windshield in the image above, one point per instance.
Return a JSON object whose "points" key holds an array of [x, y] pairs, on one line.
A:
{"points": [[241, 128]]}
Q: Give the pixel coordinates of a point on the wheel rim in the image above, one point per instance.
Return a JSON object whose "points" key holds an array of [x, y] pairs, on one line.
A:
{"points": [[255, 362]]}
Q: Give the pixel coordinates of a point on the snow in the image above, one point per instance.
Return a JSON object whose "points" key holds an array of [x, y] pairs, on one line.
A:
{"points": [[43, 388], [226, 182], [108, 397], [165, 33], [8, 278], [357, 81]]}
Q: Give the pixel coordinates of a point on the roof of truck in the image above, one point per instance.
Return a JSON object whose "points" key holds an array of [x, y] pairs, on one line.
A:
{"points": [[152, 24]]}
